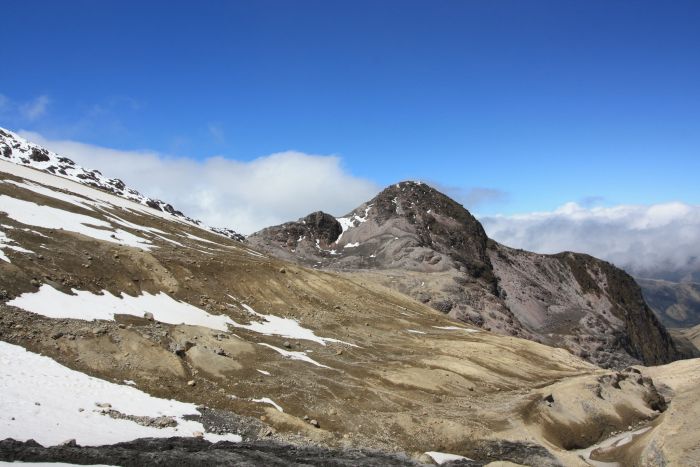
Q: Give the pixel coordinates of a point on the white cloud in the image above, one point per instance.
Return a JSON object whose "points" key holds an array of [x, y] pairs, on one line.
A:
{"points": [[661, 240], [243, 195], [35, 108]]}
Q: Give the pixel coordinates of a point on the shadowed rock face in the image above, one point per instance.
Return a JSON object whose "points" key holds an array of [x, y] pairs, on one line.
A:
{"points": [[417, 240], [317, 225]]}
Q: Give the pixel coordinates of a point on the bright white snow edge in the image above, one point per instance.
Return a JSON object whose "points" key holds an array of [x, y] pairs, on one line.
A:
{"points": [[284, 327], [347, 223], [56, 218], [295, 355], [48, 217], [267, 400], [85, 305], [6, 243], [455, 328], [36, 174], [49, 464], [442, 457], [41, 400]]}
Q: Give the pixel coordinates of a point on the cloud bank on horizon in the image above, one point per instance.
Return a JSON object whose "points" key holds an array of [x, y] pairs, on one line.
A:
{"points": [[659, 241]]}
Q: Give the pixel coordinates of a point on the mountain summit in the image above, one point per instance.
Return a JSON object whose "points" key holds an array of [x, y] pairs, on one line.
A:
{"points": [[420, 242]]}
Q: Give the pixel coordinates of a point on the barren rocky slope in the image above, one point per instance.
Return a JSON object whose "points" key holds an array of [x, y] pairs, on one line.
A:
{"points": [[420, 242], [253, 347]]}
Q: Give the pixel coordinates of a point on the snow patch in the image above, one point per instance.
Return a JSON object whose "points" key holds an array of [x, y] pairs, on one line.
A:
{"points": [[295, 355], [455, 328], [442, 457], [6, 243], [85, 305], [200, 239], [350, 222], [29, 213], [285, 327], [41, 400], [267, 400]]}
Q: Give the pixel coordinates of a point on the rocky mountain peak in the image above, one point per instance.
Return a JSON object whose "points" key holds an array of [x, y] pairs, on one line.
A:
{"points": [[415, 239]]}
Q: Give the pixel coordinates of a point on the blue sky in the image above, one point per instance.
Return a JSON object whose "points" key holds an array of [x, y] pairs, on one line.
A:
{"points": [[540, 102]]}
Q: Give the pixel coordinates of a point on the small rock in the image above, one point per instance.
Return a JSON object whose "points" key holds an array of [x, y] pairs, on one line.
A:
{"points": [[57, 335], [164, 422], [35, 283], [337, 307], [315, 423], [287, 344], [149, 316], [69, 442], [306, 418], [339, 352], [191, 383], [198, 434], [283, 271], [103, 405]]}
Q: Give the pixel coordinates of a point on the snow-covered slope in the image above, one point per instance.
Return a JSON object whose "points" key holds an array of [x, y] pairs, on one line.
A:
{"points": [[14, 148]]}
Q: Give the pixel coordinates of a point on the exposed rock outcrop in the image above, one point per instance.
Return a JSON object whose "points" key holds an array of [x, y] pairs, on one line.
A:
{"points": [[419, 241]]}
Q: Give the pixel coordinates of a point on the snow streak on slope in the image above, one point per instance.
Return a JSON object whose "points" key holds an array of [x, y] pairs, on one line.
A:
{"points": [[351, 221], [50, 403], [295, 355], [284, 327], [85, 305], [7, 243], [15, 149], [99, 219], [48, 217]]}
